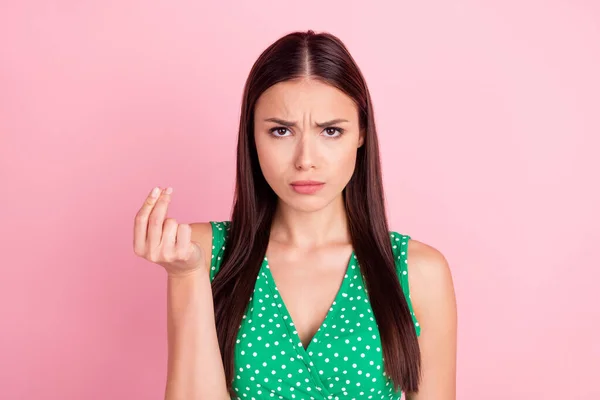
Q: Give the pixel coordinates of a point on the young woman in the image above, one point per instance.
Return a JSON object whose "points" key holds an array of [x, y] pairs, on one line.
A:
{"points": [[304, 293]]}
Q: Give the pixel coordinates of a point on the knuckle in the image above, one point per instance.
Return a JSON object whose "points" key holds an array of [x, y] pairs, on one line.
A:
{"points": [[139, 249], [169, 256], [139, 217], [154, 221], [149, 202], [153, 256], [181, 256], [170, 221]]}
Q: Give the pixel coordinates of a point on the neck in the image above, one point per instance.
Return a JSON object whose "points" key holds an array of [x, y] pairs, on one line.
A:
{"points": [[307, 229]]}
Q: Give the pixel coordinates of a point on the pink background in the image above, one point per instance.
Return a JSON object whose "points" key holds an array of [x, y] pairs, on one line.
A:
{"points": [[488, 115]]}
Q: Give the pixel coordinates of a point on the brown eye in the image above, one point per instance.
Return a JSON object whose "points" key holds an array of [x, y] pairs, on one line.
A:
{"points": [[275, 132], [331, 131]]}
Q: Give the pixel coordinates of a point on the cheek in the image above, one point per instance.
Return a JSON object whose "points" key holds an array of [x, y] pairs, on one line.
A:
{"points": [[271, 162], [343, 166]]}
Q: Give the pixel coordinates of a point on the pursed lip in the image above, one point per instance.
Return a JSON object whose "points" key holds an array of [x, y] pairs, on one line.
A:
{"points": [[306, 183]]}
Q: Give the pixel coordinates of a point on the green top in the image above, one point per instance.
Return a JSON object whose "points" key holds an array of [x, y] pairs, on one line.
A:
{"points": [[342, 361]]}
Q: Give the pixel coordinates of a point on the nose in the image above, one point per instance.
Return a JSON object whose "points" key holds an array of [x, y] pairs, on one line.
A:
{"points": [[305, 153]]}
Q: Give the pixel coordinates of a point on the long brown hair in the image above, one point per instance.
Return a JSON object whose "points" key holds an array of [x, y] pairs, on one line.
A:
{"points": [[320, 56]]}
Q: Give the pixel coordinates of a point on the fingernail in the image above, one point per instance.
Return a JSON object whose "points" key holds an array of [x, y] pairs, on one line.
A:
{"points": [[154, 193], [169, 190]]}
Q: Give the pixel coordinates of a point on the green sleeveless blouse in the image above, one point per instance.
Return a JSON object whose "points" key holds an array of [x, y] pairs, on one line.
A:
{"points": [[342, 361]]}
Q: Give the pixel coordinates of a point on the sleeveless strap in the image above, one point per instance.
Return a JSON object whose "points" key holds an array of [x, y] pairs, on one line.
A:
{"points": [[219, 237], [400, 250]]}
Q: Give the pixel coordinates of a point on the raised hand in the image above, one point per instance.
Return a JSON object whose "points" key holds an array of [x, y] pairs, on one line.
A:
{"points": [[162, 240]]}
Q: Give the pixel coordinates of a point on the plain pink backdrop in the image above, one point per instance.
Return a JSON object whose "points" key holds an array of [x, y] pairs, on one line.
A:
{"points": [[488, 115]]}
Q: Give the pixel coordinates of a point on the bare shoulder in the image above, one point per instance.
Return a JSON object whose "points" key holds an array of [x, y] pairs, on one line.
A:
{"points": [[434, 304], [430, 279], [202, 235]]}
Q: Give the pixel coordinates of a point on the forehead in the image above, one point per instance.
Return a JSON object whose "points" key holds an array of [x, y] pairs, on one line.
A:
{"points": [[294, 98]]}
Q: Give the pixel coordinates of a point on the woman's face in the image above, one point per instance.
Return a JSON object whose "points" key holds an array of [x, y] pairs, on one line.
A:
{"points": [[306, 130]]}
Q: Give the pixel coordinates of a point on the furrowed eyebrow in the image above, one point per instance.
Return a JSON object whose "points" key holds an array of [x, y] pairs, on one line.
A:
{"points": [[293, 123]]}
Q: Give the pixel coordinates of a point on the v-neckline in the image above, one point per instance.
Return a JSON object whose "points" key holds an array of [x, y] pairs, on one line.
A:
{"points": [[330, 311]]}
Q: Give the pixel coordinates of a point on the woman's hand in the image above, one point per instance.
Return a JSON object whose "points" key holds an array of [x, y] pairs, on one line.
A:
{"points": [[164, 241]]}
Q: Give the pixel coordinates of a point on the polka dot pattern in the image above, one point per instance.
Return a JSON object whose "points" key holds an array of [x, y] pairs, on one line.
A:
{"points": [[343, 360]]}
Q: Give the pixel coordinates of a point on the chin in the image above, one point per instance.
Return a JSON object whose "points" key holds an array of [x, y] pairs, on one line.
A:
{"points": [[307, 204]]}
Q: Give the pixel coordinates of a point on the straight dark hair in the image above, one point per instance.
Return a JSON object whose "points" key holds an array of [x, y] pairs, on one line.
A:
{"points": [[324, 57]]}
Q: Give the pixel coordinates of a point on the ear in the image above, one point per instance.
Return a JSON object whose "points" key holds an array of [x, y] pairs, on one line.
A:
{"points": [[361, 137]]}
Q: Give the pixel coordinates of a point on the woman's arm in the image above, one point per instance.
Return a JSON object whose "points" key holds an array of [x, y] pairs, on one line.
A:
{"points": [[195, 370], [434, 303]]}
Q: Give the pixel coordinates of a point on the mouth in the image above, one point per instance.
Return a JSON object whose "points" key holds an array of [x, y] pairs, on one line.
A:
{"points": [[306, 183], [307, 187]]}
